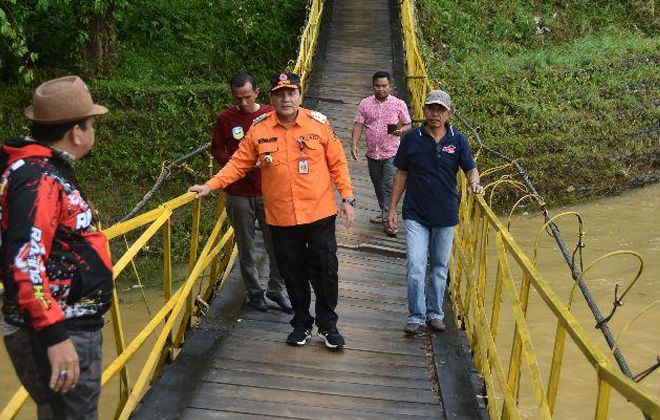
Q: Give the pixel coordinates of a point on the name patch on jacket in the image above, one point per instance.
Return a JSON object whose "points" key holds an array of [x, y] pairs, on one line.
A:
{"points": [[267, 140], [309, 137]]}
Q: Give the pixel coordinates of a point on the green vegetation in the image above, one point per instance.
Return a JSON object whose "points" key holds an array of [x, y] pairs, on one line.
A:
{"points": [[164, 83], [164, 80], [570, 88]]}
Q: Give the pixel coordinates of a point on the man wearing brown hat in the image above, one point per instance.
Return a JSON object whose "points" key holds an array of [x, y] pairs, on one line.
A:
{"points": [[300, 158], [54, 263]]}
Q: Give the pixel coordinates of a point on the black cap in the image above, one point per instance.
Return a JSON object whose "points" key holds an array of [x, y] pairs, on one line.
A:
{"points": [[284, 80]]}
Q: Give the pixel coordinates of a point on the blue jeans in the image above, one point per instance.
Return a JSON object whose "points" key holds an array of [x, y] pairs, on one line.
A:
{"points": [[425, 298]]}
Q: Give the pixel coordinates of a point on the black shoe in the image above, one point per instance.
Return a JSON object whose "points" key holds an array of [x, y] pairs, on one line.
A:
{"points": [[282, 300], [436, 324], [413, 328], [299, 337], [332, 338], [258, 302]]}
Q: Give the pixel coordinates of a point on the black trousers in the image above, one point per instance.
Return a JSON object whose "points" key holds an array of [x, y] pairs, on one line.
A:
{"points": [[308, 254]]}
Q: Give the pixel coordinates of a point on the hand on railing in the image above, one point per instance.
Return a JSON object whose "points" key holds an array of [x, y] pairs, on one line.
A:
{"points": [[201, 190], [475, 188]]}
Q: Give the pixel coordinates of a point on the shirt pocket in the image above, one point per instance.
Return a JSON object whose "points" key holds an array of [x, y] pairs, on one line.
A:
{"points": [[314, 150], [312, 144], [268, 154]]}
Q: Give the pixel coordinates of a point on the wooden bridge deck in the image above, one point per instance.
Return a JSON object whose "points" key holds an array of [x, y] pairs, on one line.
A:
{"points": [[381, 372]]}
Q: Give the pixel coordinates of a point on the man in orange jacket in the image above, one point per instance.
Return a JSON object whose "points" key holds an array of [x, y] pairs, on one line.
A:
{"points": [[300, 158]]}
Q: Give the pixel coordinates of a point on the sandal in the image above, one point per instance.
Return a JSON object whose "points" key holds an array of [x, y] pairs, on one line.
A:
{"points": [[377, 220], [390, 232]]}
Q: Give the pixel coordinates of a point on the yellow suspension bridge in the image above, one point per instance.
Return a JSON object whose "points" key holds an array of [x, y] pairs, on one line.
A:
{"points": [[246, 371]]}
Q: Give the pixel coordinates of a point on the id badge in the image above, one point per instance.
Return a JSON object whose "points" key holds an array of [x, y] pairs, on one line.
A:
{"points": [[303, 166]]}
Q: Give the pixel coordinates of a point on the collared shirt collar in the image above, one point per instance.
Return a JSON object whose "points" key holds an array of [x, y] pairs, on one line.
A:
{"points": [[66, 156], [449, 127], [383, 101], [276, 120]]}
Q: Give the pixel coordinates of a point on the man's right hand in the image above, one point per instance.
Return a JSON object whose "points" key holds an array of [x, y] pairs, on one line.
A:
{"points": [[354, 153], [392, 220], [64, 366], [201, 190]]}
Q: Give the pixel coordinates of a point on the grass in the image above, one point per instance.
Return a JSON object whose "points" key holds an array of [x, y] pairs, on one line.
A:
{"points": [[574, 97]]}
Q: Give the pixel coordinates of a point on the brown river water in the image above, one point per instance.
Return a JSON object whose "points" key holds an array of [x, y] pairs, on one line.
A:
{"points": [[629, 221], [626, 222]]}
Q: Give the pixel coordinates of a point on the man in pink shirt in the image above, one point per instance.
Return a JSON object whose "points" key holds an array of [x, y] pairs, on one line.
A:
{"points": [[385, 118]]}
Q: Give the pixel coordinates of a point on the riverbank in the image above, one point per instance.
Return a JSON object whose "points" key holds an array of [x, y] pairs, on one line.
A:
{"points": [[571, 91]]}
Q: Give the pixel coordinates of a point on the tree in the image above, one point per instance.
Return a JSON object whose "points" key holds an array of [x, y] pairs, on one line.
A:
{"points": [[15, 58], [78, 34]]}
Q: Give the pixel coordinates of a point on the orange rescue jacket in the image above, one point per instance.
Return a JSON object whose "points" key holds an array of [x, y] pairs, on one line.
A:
{"points": [[291, 197]]}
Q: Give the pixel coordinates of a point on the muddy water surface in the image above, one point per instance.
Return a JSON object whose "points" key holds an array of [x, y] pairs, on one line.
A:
{"points": [[630, 221], [135, 317]]}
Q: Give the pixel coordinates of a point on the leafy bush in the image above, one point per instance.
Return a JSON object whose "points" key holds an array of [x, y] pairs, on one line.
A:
{"points": [[72, 35]]}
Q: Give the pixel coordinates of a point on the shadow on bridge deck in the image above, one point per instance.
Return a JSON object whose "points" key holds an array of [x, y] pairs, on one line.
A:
{"points": [[236, 365]]}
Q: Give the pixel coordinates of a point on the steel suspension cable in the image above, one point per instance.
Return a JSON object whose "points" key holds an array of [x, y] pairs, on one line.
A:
{"points": [[164, 173]]}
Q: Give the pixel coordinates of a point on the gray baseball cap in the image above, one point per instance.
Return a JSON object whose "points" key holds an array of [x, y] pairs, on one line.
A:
{"points": [[439, 97]]}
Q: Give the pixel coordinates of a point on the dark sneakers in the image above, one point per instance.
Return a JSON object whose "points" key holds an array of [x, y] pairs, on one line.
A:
{"points": [[258, 302], [413, 329], [282, 301], [299, 337], [332, 338], [436, 324]]}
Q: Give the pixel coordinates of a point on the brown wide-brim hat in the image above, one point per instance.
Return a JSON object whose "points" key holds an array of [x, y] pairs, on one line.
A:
{"points": [[62, 100]]}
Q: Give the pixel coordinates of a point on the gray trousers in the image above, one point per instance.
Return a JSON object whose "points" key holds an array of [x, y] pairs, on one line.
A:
{"points": [[243, 212], [30, 360], [382, 176]]}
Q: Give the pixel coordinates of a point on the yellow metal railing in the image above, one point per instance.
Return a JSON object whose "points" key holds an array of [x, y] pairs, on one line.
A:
{"points": [[173, 319], [473, 286], [308, 40], [417, 77]]}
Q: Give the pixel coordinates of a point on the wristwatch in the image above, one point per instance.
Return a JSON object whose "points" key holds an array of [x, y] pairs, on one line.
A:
{"points": [[349, 200]]}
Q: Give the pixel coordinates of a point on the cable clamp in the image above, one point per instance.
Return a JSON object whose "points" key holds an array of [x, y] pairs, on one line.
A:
{"points": [[617, 302]]}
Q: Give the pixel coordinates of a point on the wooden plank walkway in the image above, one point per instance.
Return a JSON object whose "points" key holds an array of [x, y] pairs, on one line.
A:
{"points": [[381, 373], [242, 368]]}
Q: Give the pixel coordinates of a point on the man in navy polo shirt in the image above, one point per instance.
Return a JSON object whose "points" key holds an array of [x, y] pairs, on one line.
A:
{"points": [[427, 163]]}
